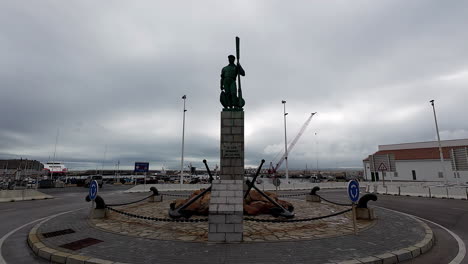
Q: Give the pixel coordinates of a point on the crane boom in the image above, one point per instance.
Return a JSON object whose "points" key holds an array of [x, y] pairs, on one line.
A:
{"points": [[293, 143]]}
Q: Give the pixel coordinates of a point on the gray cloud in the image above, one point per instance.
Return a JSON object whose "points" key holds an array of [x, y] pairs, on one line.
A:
{"points": [[113, 74]]}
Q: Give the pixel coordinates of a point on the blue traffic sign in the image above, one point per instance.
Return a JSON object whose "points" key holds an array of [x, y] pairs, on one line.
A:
{"points": [[353, 190], [93, 190]]}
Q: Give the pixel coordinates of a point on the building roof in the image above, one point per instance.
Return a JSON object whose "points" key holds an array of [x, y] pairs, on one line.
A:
{"points": [[410, 151]]}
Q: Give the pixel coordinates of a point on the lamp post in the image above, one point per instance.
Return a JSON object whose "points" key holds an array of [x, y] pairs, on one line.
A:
{"points": [[285, 142], [183, 138], [316, 152], [440, 145]]}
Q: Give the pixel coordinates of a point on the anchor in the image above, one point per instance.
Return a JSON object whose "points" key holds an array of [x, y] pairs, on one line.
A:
{"points": [[180, 211], [279, 210]]}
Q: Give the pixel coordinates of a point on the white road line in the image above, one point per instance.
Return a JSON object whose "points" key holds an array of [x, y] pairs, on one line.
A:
{"points": [[461, 245], [44, 219]]}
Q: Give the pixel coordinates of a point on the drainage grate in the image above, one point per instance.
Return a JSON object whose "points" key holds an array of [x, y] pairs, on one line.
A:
{"points": [[58, 233], [82, 243]]}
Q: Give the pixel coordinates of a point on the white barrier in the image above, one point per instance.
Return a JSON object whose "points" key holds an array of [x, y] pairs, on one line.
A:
{"points": [[414, 191], [458, 193], [393, 189], [420, 190], [22, 195], [439, 192]]}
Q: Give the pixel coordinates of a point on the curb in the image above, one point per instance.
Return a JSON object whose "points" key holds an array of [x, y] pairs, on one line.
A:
{"points": [[56, 256], [399, 255], [396, 256]]}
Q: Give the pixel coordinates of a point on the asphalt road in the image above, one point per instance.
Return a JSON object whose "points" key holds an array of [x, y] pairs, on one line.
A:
{"points": [[452, 214]]}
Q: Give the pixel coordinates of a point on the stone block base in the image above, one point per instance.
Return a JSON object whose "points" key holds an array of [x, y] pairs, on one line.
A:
{"points": [[313, 198], [226, 211], [157, 198], [365, 213], [98, 213]]}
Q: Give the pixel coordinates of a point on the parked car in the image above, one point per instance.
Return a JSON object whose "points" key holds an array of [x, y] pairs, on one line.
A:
{"points": [[97, 178]]}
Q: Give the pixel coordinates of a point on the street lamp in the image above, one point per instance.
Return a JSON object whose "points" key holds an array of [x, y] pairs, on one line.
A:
{"points": [[183, 135], [440, 145], [285, 141]]}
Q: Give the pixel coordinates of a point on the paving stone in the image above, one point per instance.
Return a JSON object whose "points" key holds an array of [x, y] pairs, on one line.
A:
{"points": [[389, 233]]}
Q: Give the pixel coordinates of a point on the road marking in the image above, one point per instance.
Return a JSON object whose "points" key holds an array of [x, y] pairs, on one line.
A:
{"points": [[44, 219], [461, 246]]}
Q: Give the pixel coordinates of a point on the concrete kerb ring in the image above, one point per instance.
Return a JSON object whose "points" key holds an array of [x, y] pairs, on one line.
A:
{"points": [[56, 256], [53, 255]]}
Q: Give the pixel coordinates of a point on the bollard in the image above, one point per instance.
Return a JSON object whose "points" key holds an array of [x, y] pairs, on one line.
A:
{"points": [[156, 197], [362, 211], [313, 198], [430, 195], [399, 190]]}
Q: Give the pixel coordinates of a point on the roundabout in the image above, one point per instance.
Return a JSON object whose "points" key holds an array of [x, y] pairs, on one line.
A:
{"points": [[119, 238], [254, 230]]}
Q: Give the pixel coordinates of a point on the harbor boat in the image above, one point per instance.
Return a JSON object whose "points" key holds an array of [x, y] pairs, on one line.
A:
{"points": [[55, 168]]}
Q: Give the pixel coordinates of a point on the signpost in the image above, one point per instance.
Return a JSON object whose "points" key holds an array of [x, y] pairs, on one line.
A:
{"points": [[93, 191], [276, 183], [142, 167], [353, 193], [383, 169]]}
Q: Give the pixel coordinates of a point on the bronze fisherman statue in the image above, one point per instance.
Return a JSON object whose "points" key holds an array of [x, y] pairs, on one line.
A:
{"points": [[231, 97]]}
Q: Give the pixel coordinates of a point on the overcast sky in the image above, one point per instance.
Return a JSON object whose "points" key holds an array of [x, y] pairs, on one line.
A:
{"points": [[112, 73]]}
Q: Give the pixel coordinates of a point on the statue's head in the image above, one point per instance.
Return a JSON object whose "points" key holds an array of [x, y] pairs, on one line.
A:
{"points": [[231, 58]]}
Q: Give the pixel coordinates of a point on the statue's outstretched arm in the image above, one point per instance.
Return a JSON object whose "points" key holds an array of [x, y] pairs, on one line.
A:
{"points": [[241, 70]]}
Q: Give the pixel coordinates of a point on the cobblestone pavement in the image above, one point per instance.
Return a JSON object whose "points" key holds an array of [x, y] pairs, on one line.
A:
{"points": [[390, 232], [253, 231]]}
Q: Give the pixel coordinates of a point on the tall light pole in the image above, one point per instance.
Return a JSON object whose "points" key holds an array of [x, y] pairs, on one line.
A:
{"points": [[316, 151], [285, 141], [440, 145], [183, 138]]}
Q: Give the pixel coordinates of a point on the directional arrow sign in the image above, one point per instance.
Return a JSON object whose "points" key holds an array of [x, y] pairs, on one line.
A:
{"points": [[353, 190], [93, 190]]}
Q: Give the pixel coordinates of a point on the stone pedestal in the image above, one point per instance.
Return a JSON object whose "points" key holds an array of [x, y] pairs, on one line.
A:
{"points": [[365, 213], [232, 145], [155, 198], [227, 201], [226, 211], [98, 213], [313, 198]]}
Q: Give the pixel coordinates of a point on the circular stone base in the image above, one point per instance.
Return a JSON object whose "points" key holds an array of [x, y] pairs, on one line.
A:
{"points": [[253, 231]]}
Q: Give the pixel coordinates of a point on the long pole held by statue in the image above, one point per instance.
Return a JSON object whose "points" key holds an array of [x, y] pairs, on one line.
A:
{"points": [[238, 62]]}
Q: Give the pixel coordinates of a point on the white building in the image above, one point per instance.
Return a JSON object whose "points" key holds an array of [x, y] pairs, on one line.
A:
{"points": [[419, 161]]}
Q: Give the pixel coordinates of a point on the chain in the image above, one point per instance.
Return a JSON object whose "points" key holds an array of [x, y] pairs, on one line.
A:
{"points": [[158, 219], [326, 200], [292, 195], [130, 202], [176, 195], [294, 220]]}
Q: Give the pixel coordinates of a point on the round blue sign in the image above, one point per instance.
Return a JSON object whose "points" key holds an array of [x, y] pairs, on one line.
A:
{"points": [[353, 190], [93, 189]]}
